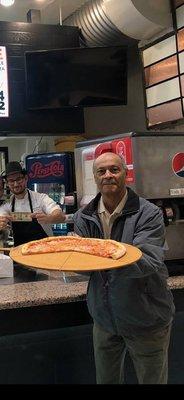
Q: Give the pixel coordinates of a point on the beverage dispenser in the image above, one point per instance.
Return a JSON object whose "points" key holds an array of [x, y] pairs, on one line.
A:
{"points": [[155, 164], [53, 174]]}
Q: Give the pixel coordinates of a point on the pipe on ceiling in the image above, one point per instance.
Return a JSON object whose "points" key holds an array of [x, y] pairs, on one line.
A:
{"points": [[107, 22]]}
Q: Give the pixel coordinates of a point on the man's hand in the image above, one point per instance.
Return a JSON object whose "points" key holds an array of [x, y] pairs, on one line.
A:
{"points": [[41, 217], [4, 221], [55, 217]]}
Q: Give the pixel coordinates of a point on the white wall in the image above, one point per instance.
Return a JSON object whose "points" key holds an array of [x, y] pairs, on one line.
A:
{"points": [[52, 11], [27, 145]]}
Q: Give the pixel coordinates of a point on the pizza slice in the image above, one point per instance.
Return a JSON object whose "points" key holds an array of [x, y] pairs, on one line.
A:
{"points": [[97, 247]]}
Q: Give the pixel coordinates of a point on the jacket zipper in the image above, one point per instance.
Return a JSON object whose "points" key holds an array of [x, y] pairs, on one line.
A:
{"points": [[105, 283]]}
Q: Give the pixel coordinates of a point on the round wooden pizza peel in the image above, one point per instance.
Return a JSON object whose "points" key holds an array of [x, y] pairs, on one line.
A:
{"points": [[74, 261]]}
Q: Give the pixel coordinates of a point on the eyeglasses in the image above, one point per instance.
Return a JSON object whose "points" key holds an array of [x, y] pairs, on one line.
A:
{"points": [[17, 180]]}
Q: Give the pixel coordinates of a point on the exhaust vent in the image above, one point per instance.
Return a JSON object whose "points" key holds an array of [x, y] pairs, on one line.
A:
{"points": [[107, 22]]}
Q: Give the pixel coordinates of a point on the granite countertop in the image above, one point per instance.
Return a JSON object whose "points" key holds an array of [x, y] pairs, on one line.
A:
{"points": [[31, 294], [29, 287], [53, 291], [176, 282]]}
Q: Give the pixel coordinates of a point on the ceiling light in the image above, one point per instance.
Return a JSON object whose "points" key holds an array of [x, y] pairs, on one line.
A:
{"points": [[7, 3]]}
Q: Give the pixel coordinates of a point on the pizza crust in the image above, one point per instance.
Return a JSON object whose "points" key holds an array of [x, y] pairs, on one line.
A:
{"points": [[115, 250], [120, 249]]}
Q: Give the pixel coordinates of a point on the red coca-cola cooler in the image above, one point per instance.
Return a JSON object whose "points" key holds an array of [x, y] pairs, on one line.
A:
{"points": [[54, 174]]}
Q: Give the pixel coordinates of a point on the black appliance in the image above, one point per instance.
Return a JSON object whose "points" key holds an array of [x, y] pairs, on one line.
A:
{"points": [[71, 77]]}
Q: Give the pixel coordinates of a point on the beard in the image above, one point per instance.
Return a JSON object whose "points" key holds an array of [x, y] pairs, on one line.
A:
{"points": [[18, 191]]}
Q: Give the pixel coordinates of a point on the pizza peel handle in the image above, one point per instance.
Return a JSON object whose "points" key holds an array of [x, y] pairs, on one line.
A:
{"points": [[75, 261]]}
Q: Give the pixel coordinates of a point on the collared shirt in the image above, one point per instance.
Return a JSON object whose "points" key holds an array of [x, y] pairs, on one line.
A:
{"points": [[108, 219]]}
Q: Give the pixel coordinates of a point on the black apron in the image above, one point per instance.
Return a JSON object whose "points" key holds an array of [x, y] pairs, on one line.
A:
{"points": [[26, 231]]}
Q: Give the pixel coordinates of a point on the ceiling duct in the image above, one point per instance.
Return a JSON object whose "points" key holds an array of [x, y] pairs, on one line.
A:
{"points": [[107, 22]]}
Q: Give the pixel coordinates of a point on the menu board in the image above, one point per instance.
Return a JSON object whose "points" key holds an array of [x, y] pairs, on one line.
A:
{"points": [[4, 101]]}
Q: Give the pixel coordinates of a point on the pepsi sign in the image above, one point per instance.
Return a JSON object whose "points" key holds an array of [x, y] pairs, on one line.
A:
{"points": [[178, 164]]}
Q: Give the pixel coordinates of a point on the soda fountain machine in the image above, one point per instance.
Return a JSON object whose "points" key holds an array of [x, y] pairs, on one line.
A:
{"points": [[155, 164], [53, 174]]}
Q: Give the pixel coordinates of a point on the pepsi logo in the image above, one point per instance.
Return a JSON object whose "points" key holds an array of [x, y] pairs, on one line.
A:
{"points": [[178, 164]]}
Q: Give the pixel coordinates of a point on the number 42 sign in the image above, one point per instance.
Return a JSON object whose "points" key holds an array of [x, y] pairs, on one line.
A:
{"points": [[4, 103]]}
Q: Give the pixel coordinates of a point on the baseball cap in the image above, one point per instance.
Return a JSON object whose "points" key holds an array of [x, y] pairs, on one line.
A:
{"points": [[14, 167]]}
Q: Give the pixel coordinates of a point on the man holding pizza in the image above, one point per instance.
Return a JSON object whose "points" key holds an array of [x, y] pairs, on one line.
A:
{"points": [[41, 209], [132, 307]]}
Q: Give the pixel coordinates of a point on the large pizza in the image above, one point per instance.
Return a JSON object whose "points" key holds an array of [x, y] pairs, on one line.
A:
{"points": [[97, 247]]}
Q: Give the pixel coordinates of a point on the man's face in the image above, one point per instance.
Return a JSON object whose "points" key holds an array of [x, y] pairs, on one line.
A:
{"points": [[17, 183], [109, 174]]}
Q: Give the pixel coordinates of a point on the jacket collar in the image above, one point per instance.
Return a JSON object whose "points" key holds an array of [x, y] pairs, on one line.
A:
{"points": [[132, 204]]}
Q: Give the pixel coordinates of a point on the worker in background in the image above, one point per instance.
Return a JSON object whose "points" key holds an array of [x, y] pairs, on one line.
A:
{"points": [[3, 233], [42, 210]]}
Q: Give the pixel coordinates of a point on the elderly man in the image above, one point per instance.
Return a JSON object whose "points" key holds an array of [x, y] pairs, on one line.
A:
{"points": [[132, 307]]}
